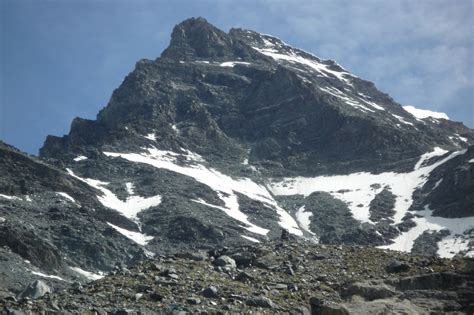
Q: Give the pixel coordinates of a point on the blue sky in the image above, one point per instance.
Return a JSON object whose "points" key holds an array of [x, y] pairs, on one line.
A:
{"points": [[62, 59]]}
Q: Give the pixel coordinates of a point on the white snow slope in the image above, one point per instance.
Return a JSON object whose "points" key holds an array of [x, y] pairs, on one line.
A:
{"points": [[357, 190], [137, 237], [224, 185], [424, 113], [128, 208], [89, 275], [295, 57]]}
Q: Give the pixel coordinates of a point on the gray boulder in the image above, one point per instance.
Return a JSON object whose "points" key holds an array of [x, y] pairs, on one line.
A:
{"points": [[225, 262], [210, 292], [320, 307], [397, 266], [260, 301], [370, 290], [385, 306], [244, 259], [34, 290], [300, 310]]}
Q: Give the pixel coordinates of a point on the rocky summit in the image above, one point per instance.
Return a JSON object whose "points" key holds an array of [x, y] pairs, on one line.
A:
{"points": [[175, 198]]}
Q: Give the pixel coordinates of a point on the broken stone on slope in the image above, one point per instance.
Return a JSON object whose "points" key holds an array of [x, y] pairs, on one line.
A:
{"points": [[397, 266], [260, 301], [225, 262], [210, 292], [34, 290]]}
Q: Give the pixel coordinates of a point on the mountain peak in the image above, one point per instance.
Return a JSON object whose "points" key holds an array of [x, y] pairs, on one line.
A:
{"points": [[225, 141], [197, 37], [248, 90], [194, 23]]}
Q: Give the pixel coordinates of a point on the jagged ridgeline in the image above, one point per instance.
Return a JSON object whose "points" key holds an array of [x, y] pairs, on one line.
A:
{"points": [[224, 140]]}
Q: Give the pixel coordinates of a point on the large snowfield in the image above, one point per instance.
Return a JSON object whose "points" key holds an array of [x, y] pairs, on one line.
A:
{"points": [[357, 190], [224, 185]]}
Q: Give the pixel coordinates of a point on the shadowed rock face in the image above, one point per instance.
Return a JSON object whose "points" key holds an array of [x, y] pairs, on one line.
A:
{"points": [[197, 38], [44, 231], [452, 188], [31, 247], [204, 131]]}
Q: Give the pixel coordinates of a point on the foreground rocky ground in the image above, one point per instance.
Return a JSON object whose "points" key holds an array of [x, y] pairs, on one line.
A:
{"points": [[285, 276]]}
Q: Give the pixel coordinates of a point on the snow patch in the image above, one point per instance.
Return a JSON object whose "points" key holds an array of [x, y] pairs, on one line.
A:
{"points": [[232, 210], [63, 194], [224, 185], [424, 113], [2, 219], [429, 155], [253, 169], [451, 245], [231, 64], [462, 138], [471, 161], [345, 98], [137, 237], [365, 96], [9, 197], [374, 105], [128, 208], [456, 139], [89, 275], [250, 238], [424, 220], [303, 218], [267, 43], [313, 64], [151, 136], [130, 188], [191, 156], [303, 78], [80, 158], [437, 184], [47, 276], [357, 188], [402, 120]]}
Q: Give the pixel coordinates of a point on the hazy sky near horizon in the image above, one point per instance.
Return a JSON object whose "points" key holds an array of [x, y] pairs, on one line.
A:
{"points": [[63, 58]]}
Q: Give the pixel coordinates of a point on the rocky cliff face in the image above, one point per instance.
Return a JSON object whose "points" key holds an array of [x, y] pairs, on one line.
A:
{"points": [[52, 224], [226, 139]]}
